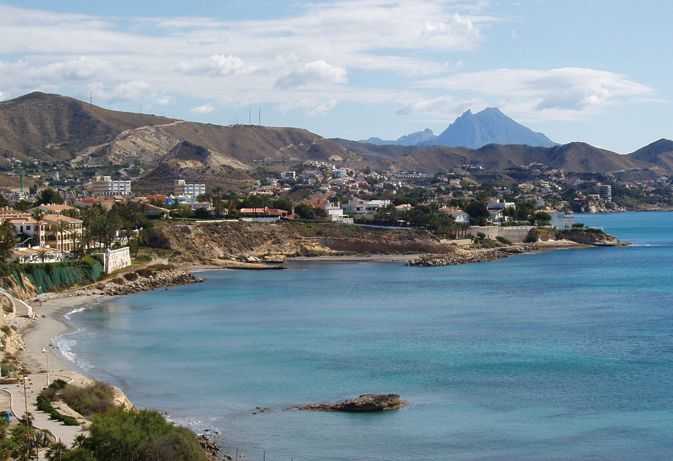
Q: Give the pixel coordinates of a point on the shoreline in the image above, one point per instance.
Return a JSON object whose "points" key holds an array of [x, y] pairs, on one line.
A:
{"points": [[52, 322], [52, 308]]}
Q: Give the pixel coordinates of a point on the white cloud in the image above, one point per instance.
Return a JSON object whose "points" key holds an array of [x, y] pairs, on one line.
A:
{"points": [[313, 73], [562, 93], [268, 61], [204, 109], [326, 54], [217, 65]]}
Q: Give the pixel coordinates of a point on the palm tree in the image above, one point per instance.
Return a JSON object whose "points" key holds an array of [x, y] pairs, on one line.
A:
{"points": [[57, 451]]}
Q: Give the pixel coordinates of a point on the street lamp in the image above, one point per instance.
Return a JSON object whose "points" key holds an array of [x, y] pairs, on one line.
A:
{"points": [[46, 353]]}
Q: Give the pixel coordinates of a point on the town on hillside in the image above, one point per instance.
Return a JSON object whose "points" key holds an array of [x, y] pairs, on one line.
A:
{"points": [[51, 218]]}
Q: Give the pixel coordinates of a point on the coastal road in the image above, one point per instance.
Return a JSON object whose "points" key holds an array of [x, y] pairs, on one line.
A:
{"points": [[16, 399]]}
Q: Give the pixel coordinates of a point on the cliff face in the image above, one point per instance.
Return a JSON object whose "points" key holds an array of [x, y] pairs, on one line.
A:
{"points": [[208, 243]]}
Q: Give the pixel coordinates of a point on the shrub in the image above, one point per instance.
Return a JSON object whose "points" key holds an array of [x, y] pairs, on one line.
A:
{"points": [[503, 240], [89, 400], [44, 404], [154, 239], [140, 435], [532, 236]]}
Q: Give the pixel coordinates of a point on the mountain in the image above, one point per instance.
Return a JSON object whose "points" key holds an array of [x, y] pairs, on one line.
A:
{"points": [[659, 153], [51, 127], [413, 139], [490, 126]]}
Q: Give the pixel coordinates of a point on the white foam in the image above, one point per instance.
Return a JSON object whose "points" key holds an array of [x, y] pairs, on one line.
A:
{"points": [[65, 345], [73, 312]]}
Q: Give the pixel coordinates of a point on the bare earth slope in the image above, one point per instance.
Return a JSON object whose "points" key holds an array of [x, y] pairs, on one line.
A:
{"points": [[51, 127]]}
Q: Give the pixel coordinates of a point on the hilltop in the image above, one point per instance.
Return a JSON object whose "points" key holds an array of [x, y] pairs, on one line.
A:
{"points": [[473, 131]]}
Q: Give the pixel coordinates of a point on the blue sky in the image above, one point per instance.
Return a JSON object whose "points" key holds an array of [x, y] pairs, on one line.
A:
{"points": [[596, 71]]}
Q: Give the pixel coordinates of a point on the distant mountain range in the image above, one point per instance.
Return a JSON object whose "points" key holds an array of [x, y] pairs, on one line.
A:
{"points": [[472, 131], [50, 127]]}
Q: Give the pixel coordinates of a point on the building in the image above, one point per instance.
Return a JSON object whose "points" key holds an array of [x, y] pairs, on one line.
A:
{"points": [[363, 207], [605, 192], [55, 208], [29, 231], [458, 215], [105, 186], [265, 214], [336, 214], [188, 190], [62, 233]]}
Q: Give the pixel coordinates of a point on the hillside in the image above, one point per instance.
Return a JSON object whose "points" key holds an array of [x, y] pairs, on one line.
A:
{"points": [[574, 157], [51, 127], [659, 153], [194, 163]]}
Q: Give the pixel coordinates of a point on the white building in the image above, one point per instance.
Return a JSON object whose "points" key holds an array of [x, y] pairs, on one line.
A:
{"points": [[108, 187], [359, 206], [336, 214], [189, 190], [605, 192], [458, 215]]}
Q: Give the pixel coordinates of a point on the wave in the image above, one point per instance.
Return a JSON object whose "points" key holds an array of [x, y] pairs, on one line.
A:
{"points": [[65, 345], [73, 312]]}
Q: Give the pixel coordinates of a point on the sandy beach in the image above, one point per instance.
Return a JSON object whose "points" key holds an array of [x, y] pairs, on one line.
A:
{"points": [[39, 334]]}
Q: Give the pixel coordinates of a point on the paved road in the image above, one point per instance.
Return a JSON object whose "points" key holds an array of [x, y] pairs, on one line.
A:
{"points": [[14, 396]]}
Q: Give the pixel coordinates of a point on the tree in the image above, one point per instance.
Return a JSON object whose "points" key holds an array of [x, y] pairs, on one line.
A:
{"points": [[7, 241], [56, 452], [201, 213], [478, 213], [23, 205], [542, 218], [308, 212], [47, 196]]}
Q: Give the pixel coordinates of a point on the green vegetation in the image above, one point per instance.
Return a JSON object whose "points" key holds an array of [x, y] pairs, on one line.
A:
{"points": [[45, 405], [308, 212], [115, 434], [21, 441], [47, 196], [478, 213], [57, 276], [422, 216], [87, 401]]}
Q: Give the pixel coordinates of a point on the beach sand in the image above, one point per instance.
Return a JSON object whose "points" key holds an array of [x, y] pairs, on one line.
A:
{"points": [[41, 333]]}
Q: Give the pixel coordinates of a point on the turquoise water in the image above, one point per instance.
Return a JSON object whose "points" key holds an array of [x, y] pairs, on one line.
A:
{"points": [[562, 355]]}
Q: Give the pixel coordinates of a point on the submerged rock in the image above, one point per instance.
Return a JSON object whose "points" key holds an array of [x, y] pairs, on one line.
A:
{"points": [[365, 403]]}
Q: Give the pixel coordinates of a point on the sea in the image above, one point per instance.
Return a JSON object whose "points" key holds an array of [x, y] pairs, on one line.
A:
{"points": [[564, 355]]}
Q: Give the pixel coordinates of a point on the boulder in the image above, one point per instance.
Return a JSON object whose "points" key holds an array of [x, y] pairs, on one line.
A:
{"points": [[365, 403]]}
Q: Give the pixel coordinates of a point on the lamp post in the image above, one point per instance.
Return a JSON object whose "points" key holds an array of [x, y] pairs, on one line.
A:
{"points": [[46, 354], [25, 396]]}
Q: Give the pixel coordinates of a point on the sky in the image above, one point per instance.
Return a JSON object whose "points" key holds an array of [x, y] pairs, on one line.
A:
{"points": [[595, 71]]}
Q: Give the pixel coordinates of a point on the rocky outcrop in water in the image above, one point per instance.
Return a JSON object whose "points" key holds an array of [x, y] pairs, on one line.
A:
{"points": [[145, 279], [466, 257], [365, 403]]}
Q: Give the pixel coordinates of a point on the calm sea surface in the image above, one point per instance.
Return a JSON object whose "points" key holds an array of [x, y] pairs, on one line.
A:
{"points": [[563, 355]]}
